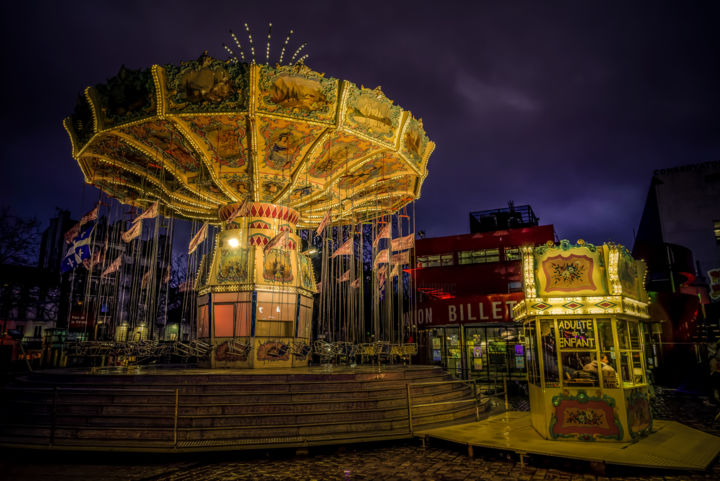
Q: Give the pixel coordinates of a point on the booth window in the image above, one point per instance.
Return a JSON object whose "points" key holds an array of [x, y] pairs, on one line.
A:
{"points": [[203, 328], [532, 365], [224, 317], [577, 343], [549, 353], [243, 319], [630, 343], [276, 307]]}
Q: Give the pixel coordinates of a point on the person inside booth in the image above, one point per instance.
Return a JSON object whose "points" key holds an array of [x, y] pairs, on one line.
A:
{"points": [[609, 374]]}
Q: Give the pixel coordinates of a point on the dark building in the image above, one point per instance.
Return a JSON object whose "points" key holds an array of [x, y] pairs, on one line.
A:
{"points": [[52, 244], [467, 286], [679, 238]]}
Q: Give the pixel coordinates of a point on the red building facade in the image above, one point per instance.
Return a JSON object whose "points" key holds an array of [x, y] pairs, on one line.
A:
{"points": [[467, 285]]}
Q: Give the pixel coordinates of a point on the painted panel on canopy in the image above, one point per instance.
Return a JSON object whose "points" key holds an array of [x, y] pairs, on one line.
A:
{"points": [[161, 136], [297, 91], [278, 266], [111, 147], [373, 114], [104, 170], [569, 270], [205, 85], [631, 274], [239, 183], [382, 166], [414, 143], [224, 137], [338, 151], [301, 191], [306, 273], [127, 97], [283, 143], [203, 184], [405, 183], [270, 186]]}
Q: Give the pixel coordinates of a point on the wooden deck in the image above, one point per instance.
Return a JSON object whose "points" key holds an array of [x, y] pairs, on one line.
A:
{"points": [[671, 445]]}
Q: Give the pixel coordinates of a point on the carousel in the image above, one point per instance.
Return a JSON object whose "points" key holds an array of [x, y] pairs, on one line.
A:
{"points": [[264, 160]]}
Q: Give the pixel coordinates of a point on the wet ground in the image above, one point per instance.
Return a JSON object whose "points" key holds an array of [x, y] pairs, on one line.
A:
{"points": [[383, 462]]}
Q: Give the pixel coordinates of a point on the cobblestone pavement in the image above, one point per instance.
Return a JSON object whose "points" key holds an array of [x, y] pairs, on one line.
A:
{"points": [[384, 462]]}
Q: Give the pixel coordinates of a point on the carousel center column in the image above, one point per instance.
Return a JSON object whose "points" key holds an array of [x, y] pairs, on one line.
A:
{"points": [[255, 294]]}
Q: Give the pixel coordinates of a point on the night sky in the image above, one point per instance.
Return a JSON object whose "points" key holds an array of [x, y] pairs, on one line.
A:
{"points": [[566, 106]]}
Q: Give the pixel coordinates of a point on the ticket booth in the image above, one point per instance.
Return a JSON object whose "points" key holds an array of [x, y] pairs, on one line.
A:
{"points": [[582, 321]]}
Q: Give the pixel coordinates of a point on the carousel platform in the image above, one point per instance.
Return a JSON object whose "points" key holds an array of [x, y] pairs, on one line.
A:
{"points": [[179, 410], [671, 445]]}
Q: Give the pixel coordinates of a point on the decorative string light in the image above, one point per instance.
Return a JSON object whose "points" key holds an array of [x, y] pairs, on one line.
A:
{"points": [[234, 57], [231, 53], [252, 45], [237, 42], [267, 48], [297, 52], [287, 39]]}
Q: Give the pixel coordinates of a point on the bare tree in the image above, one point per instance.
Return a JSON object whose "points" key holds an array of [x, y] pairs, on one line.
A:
{"points": [[19, 238]]}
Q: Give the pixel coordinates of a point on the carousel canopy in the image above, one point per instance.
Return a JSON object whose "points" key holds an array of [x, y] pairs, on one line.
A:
{"points": [[208, 133]]}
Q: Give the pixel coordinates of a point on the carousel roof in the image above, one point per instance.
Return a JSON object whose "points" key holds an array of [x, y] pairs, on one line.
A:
{"points": [[208, 133]]}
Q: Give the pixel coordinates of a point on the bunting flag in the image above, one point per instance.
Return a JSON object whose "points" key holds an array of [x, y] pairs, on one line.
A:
{"points": [[382, 257], [150, 213], [241, 211], [279, 240], [92, 215], [400, 258], [97, 257], [134, 231], [114, 266], [345, 276], [198, 238], [355, 284], [145, 279], [319, 286], [381, 277], [71, 234], [186, 286], [166, 276], [79, 251], [344, 250], [384, 233], [395, 271], [403, 243], [323, 223]]}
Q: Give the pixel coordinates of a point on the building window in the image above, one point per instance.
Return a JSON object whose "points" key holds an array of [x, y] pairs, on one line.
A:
{"points": [[38, 332], [716, 231], [512, 254], [435, 260], [479, 257], [515, 286]]}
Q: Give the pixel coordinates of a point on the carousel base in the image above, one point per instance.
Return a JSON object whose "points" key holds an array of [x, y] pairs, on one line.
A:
{"points": [[178, 410], [671, 445]]}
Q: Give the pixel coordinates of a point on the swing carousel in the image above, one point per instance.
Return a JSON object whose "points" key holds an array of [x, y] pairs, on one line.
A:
{"points": [[269, 158]]}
